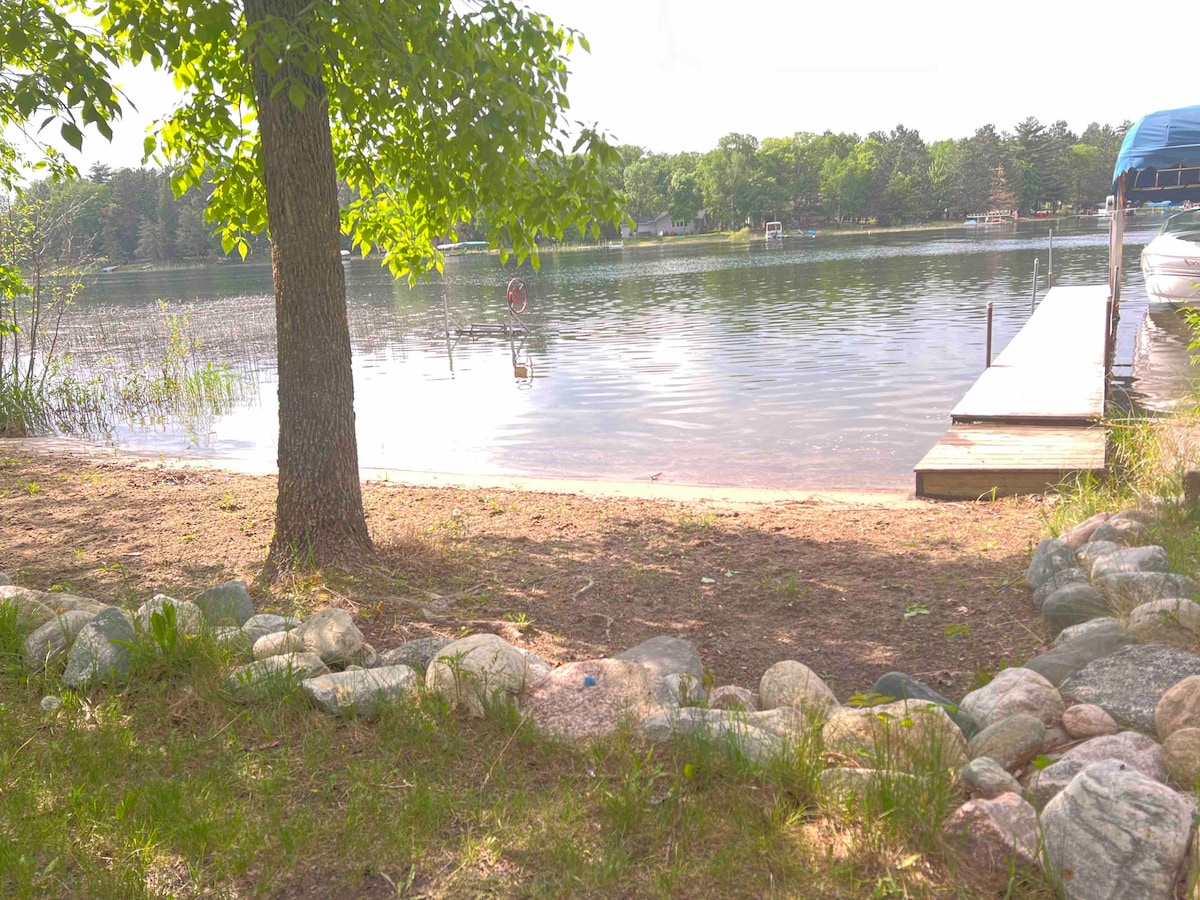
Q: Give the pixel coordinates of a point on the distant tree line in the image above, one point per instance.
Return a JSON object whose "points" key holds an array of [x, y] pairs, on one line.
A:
{"points": [[891, 178]]}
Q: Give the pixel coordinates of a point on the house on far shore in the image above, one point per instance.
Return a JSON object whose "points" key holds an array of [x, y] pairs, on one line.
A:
{"points": [[663, 225]]}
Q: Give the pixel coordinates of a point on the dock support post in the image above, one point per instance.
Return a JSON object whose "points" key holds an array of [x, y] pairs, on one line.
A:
{"points": [[1033, 298], [1108, 330], [988, 364], [1050, 263]]}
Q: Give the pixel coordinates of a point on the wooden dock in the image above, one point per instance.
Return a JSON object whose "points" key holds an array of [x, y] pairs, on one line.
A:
{"points": [[1031, 419]]}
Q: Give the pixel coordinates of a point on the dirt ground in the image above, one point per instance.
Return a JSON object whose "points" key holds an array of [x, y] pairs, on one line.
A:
{"points": [[852, 590]]}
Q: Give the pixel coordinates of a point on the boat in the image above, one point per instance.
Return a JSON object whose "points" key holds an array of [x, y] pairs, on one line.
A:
{"points": [[615, 245], [462, 247], [995, 217], [774, 231], [1171, 262]]}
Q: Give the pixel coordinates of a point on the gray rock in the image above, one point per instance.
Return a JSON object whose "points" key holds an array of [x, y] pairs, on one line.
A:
{"points": [[841, 783], [1014, 691], [332, 635], [995, 834], [1055, 739], [1044, 785], [1118, 833], [1093, 551], [188, 618], [50, 703], [1073, 575], [590, 698], [1171, 621], [1105, 624], [1080, 534], [1072, 604], [1087, 720], [538, 667], [1133, 559], [1051, 557], [47, 646], [1129, 683], [1010, 742], [479, 670], [898, 734], [268, 623], [729, 696], [35, 608], [1179, 707], [1126, 590], [277, 643], [731, 729], [681, 690], [665, 655], [984, 777], [100, 652], [418, 653], [226, 604], [274, 675], [362, 691], [1064, 660], [232, 637], [1125, 532], [1136, 750], [792, 684], [899, 686], [1181, 756]]}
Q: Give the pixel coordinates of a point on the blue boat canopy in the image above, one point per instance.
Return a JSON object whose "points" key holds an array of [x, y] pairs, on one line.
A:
{"points": [[1160, 157]]}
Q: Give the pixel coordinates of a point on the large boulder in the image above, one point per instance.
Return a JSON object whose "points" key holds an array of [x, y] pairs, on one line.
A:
{"points": [[1106, 624], [1073, 575], [417, 654], [898, 686], [1129, 684], [665, 655], [984, 777], [274, 675], [1114, 833], [1063, 660], [590, 698], [1011, 742], [275, 643], [995, 834], [1014, 691], [1124, 591], [332, 635], [188, 618], [735, 731], [792, 684], [101, 651], [1132, 559], [903, 734], [1045, 784], [35, 608], [1123, 529], [226, 604], [1093, 551], [360, 691], [49, 643], [1051, 557], [1181, 756], [1171, 621], [1073, 604], [267, 623], [1179, 707], [1078, 535], [730, 696], [477, 671], [1139, 752]]}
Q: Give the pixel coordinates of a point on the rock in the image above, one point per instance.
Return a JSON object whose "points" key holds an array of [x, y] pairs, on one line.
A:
{"points": [[898, 686], [188, 618], [1087, 720], [1105, 624], [785, 722], [50, 703], [1044, 785], [1073, 575], [590, 698], [1129, 684], [1126, 590], [1092, 551], [983, 777], [665, 655], [729, 696], [476, 671], [332, 635], [1172, 621], [1136, 750], [1051, 557], [793, 684], [417, 654], [362, 691], [1134, 559], [1014, 691], [993, 834], [277, 643], [232, 637], [274, 675], [681, 690], [1054, 740], [718, 726], [1072, 604], [1065, 659], [267, 623], [47, 646], [1125, 532], [1011, 742], [538, 667], [1181, 756], [35, 608], [1078, 535], [226, 604], [1179, 707], [902, 734], [100, 652], [5, 579], [841, 783], [1114, 833]]}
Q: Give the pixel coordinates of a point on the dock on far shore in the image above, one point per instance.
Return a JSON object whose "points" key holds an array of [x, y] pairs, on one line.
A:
{"points": [[1033, 417]]}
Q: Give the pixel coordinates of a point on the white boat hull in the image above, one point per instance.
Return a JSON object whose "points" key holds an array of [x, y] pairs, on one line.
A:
{"points": [[1171, 269]]}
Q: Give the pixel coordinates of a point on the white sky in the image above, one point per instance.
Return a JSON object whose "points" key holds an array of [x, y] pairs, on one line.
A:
{"points": [[674, 75]]}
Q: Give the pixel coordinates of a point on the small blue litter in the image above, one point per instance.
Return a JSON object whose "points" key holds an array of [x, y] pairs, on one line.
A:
{"points": [[589, 681]]}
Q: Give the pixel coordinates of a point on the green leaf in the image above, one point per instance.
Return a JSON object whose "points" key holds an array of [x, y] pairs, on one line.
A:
{"points": [[72, 135], [297, 93]]}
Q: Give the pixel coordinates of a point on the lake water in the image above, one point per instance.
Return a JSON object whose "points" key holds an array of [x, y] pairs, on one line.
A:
{"points": [[824, 362]]}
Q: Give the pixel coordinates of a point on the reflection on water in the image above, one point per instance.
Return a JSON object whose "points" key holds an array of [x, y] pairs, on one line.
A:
{"points": [[1163, 363], [823, 362]]}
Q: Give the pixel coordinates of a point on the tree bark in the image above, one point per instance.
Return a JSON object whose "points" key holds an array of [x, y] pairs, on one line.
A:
{"points": [[319, 516]]}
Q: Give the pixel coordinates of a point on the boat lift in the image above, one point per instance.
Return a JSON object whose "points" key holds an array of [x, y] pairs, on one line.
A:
{"points": [[514, 328]]}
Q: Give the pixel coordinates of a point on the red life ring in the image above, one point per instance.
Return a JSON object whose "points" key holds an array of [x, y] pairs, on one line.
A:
{"points": [[518, 296]]}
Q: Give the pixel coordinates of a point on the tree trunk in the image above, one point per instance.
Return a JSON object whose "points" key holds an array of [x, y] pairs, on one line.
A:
{"points": [[319, 513]]}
